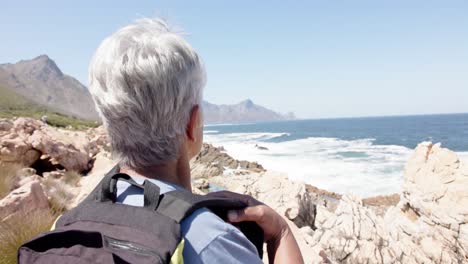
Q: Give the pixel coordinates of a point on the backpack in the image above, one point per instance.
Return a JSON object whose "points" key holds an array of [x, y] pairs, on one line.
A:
{"points": [[99, 230]]}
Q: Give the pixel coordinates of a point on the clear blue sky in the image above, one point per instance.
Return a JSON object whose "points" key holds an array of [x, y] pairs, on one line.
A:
{"points": [[317, 59]]}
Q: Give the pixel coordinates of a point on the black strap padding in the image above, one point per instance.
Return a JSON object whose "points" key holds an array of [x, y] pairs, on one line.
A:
{"points": [[108, 191], [151, 195], [179, 204], [176, 205], [64, 239]]}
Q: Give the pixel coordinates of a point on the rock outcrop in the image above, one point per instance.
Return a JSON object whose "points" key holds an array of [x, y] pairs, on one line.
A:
{"points": [[429, 224], [214, 161], [426, 223], [26, 140], [28, 197], [290, 199]]}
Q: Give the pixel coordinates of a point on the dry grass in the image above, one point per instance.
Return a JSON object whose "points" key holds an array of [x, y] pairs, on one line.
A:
{"points": [[8, 177], [19, 229], [22, 227], [60, 191], [71, 178], [59, 194]]}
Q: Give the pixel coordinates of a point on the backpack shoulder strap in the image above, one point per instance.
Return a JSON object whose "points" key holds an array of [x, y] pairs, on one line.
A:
{"points": [[177, 205]]}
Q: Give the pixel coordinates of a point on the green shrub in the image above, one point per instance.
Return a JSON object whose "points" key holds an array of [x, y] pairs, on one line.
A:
{"points": [[21, 228], [16, 105], [53, 119]]}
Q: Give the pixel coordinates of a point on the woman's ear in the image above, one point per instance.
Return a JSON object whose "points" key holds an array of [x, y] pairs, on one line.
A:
{"points": [[192, 126]]}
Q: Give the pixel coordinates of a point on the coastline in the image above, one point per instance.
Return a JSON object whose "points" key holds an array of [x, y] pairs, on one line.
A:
{"points": [[426, 222], [215, 164]]}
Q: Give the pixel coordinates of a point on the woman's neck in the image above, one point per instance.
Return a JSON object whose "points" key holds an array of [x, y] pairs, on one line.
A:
{"points": [[175, 172]]}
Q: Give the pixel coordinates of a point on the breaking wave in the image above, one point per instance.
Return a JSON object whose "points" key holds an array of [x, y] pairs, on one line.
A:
{"points": [[343, 166]]}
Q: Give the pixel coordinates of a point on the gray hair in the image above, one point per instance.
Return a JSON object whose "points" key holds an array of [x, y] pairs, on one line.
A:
{"points": [[144, 80]]}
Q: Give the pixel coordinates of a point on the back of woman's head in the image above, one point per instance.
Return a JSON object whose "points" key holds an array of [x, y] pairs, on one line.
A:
{"points": [[145, 79]]}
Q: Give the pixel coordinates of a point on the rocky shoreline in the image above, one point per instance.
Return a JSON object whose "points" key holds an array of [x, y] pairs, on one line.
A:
{"points": [[426, 223]]}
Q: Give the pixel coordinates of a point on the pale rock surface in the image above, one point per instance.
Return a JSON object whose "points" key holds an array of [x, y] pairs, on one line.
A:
{"points": [[25, 140], [102, 164], [201, 183], [13, 145], [429, 224], [213, 161], [28, 197], [288, 198], [353, 234], [432, 215]]}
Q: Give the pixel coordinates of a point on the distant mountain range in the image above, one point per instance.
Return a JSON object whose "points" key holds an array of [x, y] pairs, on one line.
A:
{"points": [[243, 112], [41, 81]]}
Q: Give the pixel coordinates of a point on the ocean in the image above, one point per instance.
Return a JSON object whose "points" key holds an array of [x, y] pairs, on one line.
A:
{"points": [[364, 156]]}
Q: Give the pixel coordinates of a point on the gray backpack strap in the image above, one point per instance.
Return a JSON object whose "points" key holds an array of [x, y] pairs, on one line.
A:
{"points": [[177, 205]]}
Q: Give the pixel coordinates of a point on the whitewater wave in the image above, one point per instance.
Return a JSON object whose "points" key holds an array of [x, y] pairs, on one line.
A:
{"points": [[343, 166], [210, 131], [463, 156], [226, 124]]}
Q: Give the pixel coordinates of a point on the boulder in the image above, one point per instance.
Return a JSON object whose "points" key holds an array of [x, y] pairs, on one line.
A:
{"points": [[432, 216], [288, 198], [201, 184], [428, 225], [102, 164], [25, 140], [13, 145], [353, 234], [53, 174], [29, 197], [214, 161]]}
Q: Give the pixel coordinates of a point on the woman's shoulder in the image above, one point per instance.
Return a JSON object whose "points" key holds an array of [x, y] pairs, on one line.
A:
{"points": [[210, 237]]}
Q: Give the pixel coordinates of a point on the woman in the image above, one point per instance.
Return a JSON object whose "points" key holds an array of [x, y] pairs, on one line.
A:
{"points": [[147, 84]]}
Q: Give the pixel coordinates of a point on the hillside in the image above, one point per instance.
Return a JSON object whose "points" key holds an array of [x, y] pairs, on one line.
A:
{"points": [[15, 105], [41, 81]]}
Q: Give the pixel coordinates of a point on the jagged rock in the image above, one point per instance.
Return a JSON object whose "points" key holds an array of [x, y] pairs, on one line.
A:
{"points": [[429, 224], [13, 145], [202, 184], [99, 139], [26, 172], [30, 196], [102, 164], [53, 174], [70, 152], [213, 161], [288, 198], [353, 234], [25, 140], [433, 209]]}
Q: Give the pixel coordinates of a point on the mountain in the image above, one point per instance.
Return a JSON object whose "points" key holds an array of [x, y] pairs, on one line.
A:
{"points": [[40, 84], [41, 81], [243, 112]]}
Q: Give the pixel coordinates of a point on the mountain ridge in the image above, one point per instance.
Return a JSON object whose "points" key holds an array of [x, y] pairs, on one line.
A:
{"points": [[245, 111], [41, 81]]}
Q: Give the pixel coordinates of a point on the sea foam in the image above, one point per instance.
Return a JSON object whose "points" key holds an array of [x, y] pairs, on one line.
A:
{"points": [[343, 166]]}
